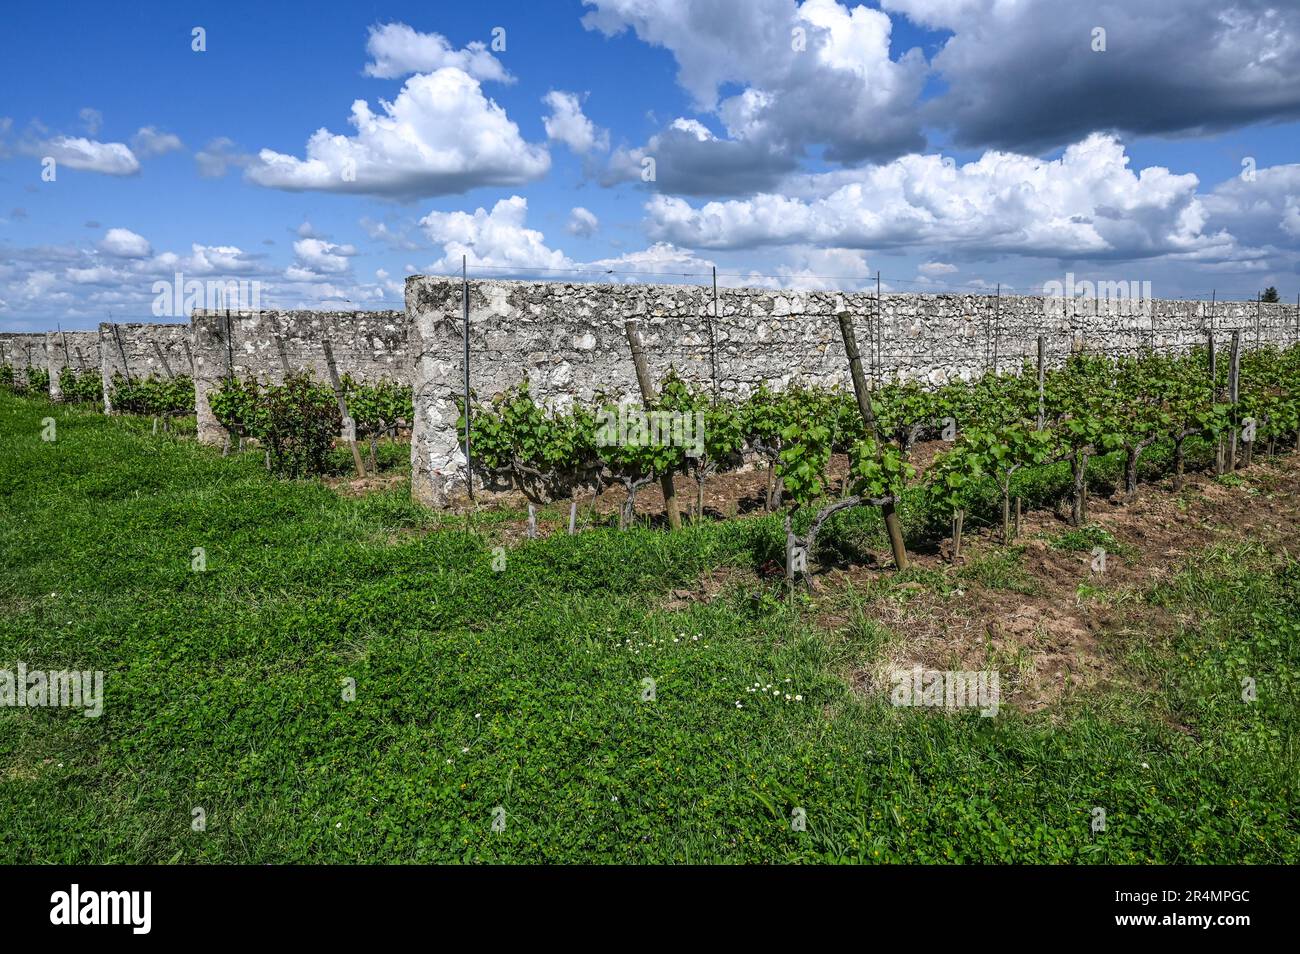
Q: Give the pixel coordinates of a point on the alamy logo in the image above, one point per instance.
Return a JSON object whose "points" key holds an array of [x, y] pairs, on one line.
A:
{"points": [[632, 426], [946, 689], [103, 907], [41, 688], [1125, 299], [179, 297]]}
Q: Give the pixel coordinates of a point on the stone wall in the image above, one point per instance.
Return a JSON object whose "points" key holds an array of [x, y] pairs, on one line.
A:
{"points": [[368, 345], [137, 351], [78, 350], [569, 340], [23, 351]]}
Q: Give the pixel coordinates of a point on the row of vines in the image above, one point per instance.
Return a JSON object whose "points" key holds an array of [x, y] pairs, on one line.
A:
{"points": [[994, 428], [154, 396], [296, 422], [31, 381]]}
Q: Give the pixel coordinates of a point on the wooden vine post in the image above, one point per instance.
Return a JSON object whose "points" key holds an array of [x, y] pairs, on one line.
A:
{"points": [[1234, 380], [887, 507], [55, 391], [1214, 399], [349, 425], [633, 329]]}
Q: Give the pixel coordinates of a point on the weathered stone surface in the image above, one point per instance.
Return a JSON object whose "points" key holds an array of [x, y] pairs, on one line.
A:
{"points": [[138, 350], [368, 345], [569, 340], [22, 350], [78, 350]]}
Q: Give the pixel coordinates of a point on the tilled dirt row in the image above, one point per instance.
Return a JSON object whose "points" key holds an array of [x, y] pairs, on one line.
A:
{"points": [[1051, 635]]}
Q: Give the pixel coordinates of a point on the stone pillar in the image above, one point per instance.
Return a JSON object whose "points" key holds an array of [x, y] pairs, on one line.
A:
{"points": [[438, 471]]}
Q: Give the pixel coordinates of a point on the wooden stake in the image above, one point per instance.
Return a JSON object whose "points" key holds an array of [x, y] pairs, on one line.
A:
{"points": [[343, 406], [887, 510], [633, 330], [1214, 399], [1234, 380], [162, 359], [126, 367]]}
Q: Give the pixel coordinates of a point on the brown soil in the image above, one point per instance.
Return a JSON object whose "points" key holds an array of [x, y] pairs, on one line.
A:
{"points": [[351, 486], [736, 492], [1062, 634]]}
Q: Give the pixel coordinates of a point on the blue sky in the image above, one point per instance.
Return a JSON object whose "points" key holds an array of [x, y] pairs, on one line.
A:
{"points": [[949, 144]]}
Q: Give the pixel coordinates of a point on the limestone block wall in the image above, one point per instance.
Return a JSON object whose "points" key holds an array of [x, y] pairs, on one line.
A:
{"points": [[368, 345], [569, 339], [22, 351], [78, 350], [141, 350]]}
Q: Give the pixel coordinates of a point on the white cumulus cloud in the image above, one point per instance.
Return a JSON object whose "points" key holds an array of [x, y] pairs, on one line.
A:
{"points": [[317, 257], [816, 74], [1088, 203], [496, 238], [440, 136], [123, 243], [150, 141], [397, 50], [567, 124], [582, 222], [87, 155]]}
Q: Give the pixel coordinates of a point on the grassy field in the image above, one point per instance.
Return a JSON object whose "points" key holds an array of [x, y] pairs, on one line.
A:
{"points": [[522, 688]]}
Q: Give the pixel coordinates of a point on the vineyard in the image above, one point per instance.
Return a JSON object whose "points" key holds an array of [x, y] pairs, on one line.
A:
{"points": [[155, 396], [496, 659], [298, 420], [999, 435]]}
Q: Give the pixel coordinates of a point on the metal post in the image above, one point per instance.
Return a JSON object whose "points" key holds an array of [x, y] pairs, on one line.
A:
{"points": [[877, 334], [1042, 354], [1214, 370], [997, 326], [1259, 304], [713, 343]]}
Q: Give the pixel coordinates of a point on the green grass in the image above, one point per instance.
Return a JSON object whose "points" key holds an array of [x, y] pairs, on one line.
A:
{"points": [[1086, 538], [1001, 569], [522, 689]]}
